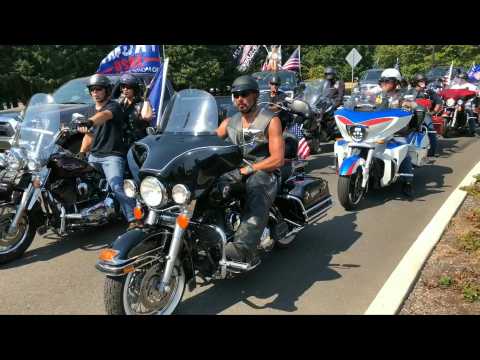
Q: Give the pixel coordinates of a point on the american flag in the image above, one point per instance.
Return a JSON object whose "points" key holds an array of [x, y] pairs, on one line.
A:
{"points": [[303, 151], [293, 63]]}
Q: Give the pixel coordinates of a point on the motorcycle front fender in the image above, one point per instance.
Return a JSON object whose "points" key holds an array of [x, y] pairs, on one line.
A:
{"points": [[350, 165], [133, 244]]}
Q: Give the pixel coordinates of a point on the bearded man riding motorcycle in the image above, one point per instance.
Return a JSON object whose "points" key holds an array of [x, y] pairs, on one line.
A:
{"points": [[420, 91], [261, 176]]}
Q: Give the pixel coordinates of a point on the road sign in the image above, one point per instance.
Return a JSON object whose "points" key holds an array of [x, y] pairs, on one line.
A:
{"points": [[353, 57]]}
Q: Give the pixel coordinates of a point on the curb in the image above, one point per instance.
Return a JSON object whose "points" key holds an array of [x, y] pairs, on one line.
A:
{"points": [[391, 296]]}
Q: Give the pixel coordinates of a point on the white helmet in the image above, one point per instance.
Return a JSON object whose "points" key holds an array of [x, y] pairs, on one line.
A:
{"points": [[391, 74]]}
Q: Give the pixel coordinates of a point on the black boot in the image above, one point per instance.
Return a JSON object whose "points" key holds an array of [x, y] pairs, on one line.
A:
{"points": [[239, 252], [407, 189]]}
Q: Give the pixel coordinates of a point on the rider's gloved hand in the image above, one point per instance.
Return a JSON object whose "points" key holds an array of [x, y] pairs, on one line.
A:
{"points": [[81, 156]]}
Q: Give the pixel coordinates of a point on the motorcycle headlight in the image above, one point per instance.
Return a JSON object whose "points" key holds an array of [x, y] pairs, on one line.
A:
{"points": [[357, 133], [460, 102], [450, 102], [180, 194], [130, 188], [153, 192], [14, 163]]}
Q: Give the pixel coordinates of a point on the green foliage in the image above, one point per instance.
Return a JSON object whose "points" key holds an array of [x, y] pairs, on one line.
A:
{"points": [[471, 292], [445, 281], [469, 242], [25, 70]]}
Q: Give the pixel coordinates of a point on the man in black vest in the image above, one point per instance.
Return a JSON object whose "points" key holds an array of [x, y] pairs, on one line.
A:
{"points": [[261, 176], [335, 88]]}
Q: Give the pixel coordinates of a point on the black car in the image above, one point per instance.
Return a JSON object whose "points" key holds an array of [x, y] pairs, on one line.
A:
{"points": [[442, 71], [9, 121]]}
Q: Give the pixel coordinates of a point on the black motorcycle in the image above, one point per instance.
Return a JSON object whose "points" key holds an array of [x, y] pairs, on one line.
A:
{"points": [[189, 215], [44, 186]]}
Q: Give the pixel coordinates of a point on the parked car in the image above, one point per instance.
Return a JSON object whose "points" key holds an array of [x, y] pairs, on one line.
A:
{"points": [[369, 79], [441, 71], [9, 121]]}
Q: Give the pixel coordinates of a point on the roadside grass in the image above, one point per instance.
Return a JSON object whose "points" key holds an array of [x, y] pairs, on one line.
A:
{"points": [[469, 242], [471, 292]]}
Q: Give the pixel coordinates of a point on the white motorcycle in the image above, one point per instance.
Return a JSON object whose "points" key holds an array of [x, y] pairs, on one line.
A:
{"points": [[370, 152]]}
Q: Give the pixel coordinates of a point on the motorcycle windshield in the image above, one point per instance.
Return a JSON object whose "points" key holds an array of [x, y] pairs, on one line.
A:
{"points": [[314, 90], [39, 127], [191, 112]]}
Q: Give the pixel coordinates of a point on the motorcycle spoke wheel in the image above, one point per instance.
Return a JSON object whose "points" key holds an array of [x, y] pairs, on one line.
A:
{"points": [[142, 297], [9, 242]]}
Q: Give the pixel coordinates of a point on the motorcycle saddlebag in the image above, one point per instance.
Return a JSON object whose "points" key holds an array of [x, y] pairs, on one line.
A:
{"points": [[305, 199]]}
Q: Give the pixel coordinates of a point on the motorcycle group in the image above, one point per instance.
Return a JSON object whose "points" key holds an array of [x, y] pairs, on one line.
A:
{"points": [[207, 196]]}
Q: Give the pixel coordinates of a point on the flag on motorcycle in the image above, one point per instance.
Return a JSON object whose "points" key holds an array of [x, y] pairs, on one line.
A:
{"points": [[244, 55], [474, 73], [303, 151], [293, 63], [132, 58], [155, 91]]}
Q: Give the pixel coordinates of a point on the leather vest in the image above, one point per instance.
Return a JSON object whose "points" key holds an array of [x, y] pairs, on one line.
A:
{"points": [[259, 150]]}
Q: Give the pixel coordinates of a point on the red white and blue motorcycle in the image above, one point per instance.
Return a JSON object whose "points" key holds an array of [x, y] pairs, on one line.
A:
{"points": [[371, 150]]}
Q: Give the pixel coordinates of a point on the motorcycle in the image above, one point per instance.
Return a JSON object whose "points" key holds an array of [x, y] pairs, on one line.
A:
{"points": [[370, 153], [316, 95], [189, 215], [44, 186], [458, 110]]}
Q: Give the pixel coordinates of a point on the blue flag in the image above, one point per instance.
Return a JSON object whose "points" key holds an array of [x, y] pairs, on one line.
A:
{"points": [[155, 94], [474, 73], [132, 58]]}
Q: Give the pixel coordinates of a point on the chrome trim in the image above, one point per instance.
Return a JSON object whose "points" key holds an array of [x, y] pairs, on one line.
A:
{"points": [[151, 218], [362, 145], [20, 209], [223, 260]]}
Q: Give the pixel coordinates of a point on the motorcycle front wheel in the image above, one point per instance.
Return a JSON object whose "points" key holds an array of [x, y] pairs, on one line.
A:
{"points": [[137, 293], [12, 246], [350, 191]]}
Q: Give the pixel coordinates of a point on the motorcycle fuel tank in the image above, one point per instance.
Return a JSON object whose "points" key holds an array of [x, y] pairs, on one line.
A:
{"points": [[67, 166]]}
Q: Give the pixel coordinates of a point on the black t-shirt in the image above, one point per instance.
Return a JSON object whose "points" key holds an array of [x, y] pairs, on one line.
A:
{"points": [[108, 138]]}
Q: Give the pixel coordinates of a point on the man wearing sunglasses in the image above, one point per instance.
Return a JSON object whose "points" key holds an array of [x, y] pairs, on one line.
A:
{"points": [[137, 111], [392, 96], [104, 140], [264, 155]]}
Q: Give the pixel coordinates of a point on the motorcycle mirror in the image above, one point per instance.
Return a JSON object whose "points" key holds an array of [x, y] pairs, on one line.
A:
{"points": [[150, 130], [77, 117], [300, 106]]}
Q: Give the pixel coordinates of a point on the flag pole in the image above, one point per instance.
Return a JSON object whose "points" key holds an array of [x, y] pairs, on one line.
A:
{"points": [[299, 61], [164, 82]]}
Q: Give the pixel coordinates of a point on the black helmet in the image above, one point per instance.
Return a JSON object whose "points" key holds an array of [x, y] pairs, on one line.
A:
{"points": [[417, 78], [330, 73], [130, 80], [244, 83], [99, 80], [275, 80]]}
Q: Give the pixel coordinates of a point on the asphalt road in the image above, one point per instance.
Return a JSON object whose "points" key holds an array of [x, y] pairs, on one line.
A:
{"points": [[336, 266]]}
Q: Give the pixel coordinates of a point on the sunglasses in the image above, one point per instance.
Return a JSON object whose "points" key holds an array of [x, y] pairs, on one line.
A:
{"points": [[242, 94], [382, 81], [93, 89]]}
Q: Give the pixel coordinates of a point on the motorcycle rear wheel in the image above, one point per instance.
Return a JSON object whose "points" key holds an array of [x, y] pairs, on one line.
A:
{"points": [[137, 294], [13, 246]]}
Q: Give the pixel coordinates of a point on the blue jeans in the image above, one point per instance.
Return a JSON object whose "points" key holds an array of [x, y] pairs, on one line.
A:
{"points": [[113, 168], [431, 136], [406, 168]]}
